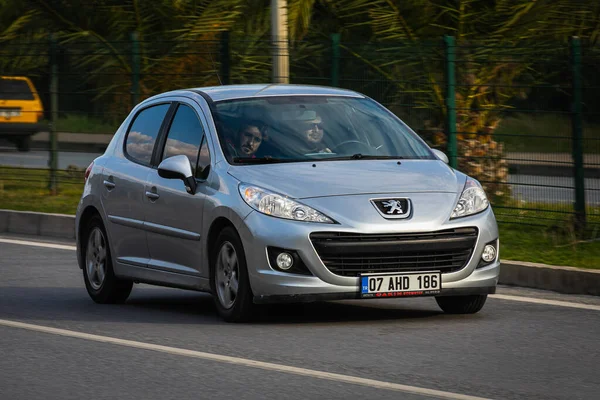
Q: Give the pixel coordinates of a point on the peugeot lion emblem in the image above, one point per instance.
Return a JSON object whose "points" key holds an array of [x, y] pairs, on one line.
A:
{"points": [[392, 208]]}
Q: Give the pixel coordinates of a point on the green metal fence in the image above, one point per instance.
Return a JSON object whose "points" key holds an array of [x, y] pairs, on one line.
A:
{"points": [[523, 119]]}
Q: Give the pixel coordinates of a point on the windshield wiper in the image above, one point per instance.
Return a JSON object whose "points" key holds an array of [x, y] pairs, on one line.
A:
{"points": [[360, 156], [261, 160], [273, 160]]}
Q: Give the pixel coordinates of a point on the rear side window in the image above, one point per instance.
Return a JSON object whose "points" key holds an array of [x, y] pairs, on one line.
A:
{"points": [[185, 135], [143, 133], [15, 89]]}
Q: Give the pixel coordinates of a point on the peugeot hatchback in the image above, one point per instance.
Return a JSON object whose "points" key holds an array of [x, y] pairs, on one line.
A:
{"points": [[282, 193]]}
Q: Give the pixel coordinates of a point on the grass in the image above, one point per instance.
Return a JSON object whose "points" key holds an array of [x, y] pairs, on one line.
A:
{"points": [[75, 123], [548, 215], [544, 133], [548, 246], [26, 189], [551, 242]]}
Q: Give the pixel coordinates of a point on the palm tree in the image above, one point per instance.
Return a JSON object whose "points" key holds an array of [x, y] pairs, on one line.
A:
{"points": [[501, 47], [175, 46]]}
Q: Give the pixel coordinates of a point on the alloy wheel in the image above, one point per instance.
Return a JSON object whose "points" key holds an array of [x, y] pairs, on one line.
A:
{"points": [[227, 275], [96, 258]]}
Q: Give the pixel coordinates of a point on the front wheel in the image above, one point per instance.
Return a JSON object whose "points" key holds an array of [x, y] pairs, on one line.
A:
{"points": [[230, 283], [100, 280], [461, 304]]}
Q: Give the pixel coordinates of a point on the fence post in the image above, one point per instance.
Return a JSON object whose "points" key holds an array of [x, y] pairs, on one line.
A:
{"points": [[335, 59], [135, 68], [53, 161], [577, 128], [449, 46], [224, 58]]}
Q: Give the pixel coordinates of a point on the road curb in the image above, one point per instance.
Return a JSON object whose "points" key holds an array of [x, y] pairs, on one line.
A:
{"points": [[560, 279], [36, 223]]}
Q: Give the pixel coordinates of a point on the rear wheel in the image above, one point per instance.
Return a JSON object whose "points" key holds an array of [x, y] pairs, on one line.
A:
{"points": [[230, 283], [24, 143], [100, 280], [461, 304]]}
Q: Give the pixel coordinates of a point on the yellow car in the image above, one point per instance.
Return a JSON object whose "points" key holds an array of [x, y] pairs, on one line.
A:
{"points": [[20, 111]]}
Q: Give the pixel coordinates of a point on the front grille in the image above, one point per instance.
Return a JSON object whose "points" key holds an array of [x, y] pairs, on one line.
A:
{"points": [[351, 254]]}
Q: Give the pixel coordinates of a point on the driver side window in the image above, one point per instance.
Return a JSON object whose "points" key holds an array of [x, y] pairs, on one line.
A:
{"points": [[185, 136]]}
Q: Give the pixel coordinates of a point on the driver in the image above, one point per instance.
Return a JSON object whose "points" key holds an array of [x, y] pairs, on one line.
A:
{"points": [[312, 133]]}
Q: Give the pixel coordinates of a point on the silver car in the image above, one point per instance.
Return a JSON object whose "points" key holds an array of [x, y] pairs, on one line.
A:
{"points": [[282, 193]]}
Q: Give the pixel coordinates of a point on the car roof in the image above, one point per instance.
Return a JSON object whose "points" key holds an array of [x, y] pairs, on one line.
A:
{"points": [[230, 92]]}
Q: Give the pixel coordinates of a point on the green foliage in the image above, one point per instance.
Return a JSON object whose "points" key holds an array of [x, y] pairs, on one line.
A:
{"points": [[77, 123], [391, 50], [95, 44], [502, 48], [97, 36]]}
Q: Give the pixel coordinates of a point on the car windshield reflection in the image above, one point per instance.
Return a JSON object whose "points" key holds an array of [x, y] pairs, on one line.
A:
{"points": [[313, 128]]}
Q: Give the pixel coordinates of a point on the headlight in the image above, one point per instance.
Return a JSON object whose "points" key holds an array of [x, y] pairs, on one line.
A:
{"points": [[472, 200], [273, 204]]}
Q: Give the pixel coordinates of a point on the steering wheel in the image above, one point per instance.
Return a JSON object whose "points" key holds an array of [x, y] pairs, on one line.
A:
{"points": [[347, 142]]}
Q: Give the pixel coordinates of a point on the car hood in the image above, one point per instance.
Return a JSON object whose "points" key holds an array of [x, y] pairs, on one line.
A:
{"points": [[338, 178]]}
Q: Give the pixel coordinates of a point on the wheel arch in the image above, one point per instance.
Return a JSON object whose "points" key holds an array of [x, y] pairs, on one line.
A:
{"points": [[86, 216], [216, 227]]}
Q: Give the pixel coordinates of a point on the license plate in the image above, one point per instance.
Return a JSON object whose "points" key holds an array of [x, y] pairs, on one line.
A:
{"points": [[10, 113], [408, 284]]}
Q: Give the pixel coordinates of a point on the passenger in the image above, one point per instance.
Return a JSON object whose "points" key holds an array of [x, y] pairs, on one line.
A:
{"points": [[249, 138]]}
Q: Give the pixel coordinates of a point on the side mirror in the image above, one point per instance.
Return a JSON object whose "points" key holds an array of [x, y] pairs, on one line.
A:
{"points": [[441, 155], [178, 167]]}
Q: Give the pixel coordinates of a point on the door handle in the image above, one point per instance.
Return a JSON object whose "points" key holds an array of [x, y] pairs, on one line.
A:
{"points": [[109, 185], [152, 195]]}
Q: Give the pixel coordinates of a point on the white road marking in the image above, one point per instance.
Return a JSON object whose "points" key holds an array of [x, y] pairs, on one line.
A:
{"points": [[546, 302], [245, 362], [38, 244], [494, 296]]}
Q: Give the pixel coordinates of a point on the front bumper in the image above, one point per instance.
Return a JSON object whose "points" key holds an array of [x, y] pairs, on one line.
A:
{"points": [[270, 285], [308, 298]]}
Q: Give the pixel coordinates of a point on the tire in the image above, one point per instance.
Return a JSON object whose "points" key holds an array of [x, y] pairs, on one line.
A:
{"points": [[228, 265], [109, 289], [24, 143], [461, 304]]}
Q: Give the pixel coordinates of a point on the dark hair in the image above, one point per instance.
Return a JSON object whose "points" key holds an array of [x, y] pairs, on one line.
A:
{"points": [[262, 127]]}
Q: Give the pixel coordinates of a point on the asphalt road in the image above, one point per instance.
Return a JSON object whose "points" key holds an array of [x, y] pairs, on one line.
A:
{"points": [[510, 350], [40, 159], [552, 189]]}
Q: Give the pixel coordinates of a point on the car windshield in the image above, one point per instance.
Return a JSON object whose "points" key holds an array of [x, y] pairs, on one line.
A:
{"points": [[313, 128]]}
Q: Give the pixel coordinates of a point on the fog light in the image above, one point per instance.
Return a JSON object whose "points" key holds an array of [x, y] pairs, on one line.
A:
{"points": [[285, 261], [489, 253]]}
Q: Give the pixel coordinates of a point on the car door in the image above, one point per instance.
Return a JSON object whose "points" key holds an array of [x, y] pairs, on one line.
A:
{"points": [[173, 215], [124, 183]]}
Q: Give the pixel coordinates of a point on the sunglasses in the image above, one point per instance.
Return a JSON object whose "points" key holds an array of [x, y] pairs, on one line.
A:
{"points": [[316, 126]]}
